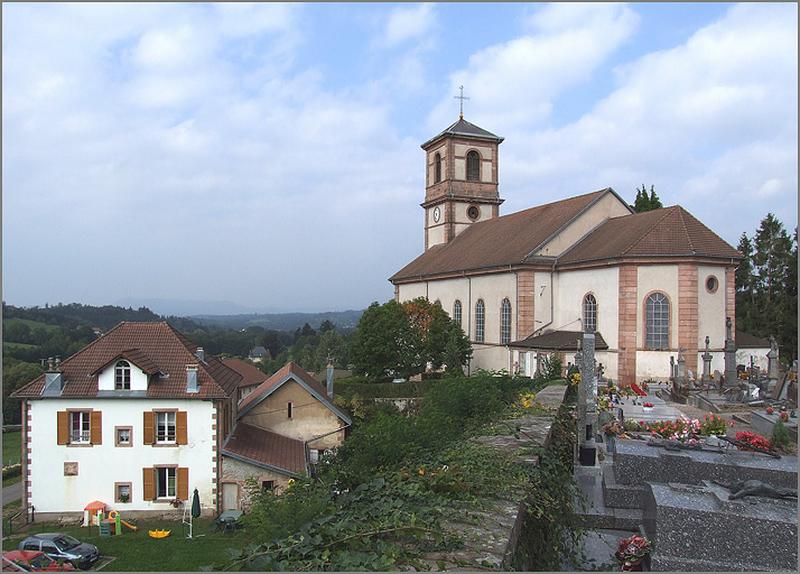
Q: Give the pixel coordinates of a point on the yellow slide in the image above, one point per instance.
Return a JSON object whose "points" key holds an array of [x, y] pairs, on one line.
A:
{"points": [[129, 525]]}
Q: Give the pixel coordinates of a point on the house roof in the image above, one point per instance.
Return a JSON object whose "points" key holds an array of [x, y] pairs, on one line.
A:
{"points": [[670, 231], [251, 375], [507, 240], [558, 341], [258, 351], [165, 351], [264, 448], [290, 371], [748, 341], [462, 127], [135, 356]]}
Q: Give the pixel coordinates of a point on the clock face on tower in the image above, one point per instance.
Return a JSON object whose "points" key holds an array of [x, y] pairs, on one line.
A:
{"points": [[437, 214]]}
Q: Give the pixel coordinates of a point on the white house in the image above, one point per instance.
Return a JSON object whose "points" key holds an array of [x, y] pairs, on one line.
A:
{"points": [[136, 419], [650, 283]]}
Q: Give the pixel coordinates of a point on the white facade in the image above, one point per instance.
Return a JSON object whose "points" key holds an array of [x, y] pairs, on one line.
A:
{"points": [[105, 379], [101, 466]]}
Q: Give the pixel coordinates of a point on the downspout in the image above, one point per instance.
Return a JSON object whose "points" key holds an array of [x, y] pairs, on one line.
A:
{"points": [[469, 322]]}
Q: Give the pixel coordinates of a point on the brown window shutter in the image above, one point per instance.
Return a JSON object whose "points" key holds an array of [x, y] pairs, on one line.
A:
{"points": [[149, 433], [183, 483], [181, 431], [63, 427], [149, 482], [96, 427]]}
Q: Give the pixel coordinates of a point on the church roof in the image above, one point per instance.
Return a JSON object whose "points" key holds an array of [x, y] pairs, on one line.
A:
{"points": [[501, 241], [670, 231], [464, 128], [558, 341]]}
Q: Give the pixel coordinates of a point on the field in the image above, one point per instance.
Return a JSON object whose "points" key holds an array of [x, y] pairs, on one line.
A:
{"points": [[11, 447], [32, 324], [136, 551]]}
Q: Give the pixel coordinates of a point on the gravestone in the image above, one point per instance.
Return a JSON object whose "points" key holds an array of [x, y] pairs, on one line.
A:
{"points": [[588, 400], [731, 377], [772, 363]]}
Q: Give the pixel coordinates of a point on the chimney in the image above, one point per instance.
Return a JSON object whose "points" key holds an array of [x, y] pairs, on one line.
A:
{"points": [[329, 379], [192, 385], [200, 354]]}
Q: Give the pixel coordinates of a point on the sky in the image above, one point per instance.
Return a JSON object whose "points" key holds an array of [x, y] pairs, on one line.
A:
{"points": [[267, 156]]}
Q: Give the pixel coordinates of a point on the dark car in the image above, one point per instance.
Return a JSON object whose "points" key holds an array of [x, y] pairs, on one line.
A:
{"points": [[32, 561], [62, 547]]}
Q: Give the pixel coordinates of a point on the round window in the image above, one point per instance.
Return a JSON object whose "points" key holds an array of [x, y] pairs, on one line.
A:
{"points": [[473, 212], [712, 284]]}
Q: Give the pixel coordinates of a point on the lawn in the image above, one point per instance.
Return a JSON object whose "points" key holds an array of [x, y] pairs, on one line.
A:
{"points": [[32, 324], [11, 447], [136, 551]]}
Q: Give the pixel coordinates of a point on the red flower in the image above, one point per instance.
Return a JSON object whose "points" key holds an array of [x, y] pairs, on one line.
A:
{"points": [[770, 410]]}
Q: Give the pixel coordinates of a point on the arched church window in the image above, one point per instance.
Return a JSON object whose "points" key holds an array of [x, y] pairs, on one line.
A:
{"points": [[473, 166], [122, 376], [505, 322], [480, 321], [457, 312], [589, 313], [437, 168], [657, 321]]}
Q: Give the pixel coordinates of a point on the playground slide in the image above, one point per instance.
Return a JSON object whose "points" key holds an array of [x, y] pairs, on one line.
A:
{"points": [[129, 525]]}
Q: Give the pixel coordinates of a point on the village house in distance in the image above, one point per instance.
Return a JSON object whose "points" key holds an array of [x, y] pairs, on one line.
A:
{"points": [[141, 417], [526, 284]]}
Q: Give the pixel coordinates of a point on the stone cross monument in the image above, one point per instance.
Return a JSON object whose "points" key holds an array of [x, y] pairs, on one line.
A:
{"points": [[588, 398], [772, 357], [707, 356]]}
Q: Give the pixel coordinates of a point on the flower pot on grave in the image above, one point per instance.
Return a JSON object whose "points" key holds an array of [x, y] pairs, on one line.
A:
{"points": [[611, 443], [635, 566], [647, 409]]}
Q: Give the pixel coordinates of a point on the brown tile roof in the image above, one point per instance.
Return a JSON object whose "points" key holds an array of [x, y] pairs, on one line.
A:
{"points": [[670, 231], [135, 356], [558, 341], [167, 351], [288, 371], [263, 447], [506, 240], [251, 375]]}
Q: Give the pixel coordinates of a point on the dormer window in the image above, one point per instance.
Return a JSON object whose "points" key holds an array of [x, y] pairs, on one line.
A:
{"points": [[122, 376], [437, 168], [473, 166]]}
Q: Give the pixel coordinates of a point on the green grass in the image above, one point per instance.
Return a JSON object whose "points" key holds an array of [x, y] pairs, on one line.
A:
{"points": [[136, 551], [11, 447], [11, 346]]}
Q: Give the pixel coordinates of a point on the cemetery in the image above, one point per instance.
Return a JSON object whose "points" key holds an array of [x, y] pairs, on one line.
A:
{"points": [[691, 474]]}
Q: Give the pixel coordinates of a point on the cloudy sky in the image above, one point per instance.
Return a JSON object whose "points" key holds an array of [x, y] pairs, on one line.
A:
{"points": [[268, 155]]}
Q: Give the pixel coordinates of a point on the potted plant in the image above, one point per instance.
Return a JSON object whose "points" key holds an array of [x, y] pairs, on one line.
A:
{"points": [[176, 502], [631, 552], [124, 497]]}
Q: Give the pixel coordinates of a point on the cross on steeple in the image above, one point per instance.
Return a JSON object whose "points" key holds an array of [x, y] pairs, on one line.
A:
{"points": [[461, 97]]}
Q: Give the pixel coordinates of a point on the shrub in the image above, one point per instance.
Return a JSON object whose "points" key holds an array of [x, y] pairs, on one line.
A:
{"points": [[713, 425], [781, 437]]}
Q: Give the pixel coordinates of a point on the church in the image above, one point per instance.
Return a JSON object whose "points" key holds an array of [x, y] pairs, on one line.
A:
{"points": [[527, 284]]}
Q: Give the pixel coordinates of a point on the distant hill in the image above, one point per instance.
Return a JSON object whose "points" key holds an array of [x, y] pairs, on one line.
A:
{"points": [[344, 320], [188, 307]]}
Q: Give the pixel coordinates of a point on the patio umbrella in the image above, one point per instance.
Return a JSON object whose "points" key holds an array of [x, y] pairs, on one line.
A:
{"points": [[195, 504]]}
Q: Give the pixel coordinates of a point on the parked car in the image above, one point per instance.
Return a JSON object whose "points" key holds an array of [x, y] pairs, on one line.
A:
{"points": [[60, 546], [32, 561]]}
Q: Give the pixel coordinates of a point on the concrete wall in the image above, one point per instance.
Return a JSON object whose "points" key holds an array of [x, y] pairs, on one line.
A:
{"points": [[310, 418], [608, 206], [100, 466], [105, 380], [710, 308]]}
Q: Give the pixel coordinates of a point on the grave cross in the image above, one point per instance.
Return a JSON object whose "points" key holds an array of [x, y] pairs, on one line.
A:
{"points": [[461, 97]]}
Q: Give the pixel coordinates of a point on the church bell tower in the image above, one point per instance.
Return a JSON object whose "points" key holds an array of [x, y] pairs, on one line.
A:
{"points": [[461, 181]]}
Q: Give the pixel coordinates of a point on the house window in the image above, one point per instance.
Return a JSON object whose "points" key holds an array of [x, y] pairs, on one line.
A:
{"points": [[289, 410], [122, 492], [165, 482], [657, 321], [522, 360], [505, 322], [480, 321], [79, 427], [473, 166], [457, 312], [437, 168], [123, 436], [122, 376], [165, 426], [589, 314], [267, 485]]}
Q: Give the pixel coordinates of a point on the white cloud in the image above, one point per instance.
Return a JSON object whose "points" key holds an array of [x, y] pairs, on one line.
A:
{"points": [[408, 23]]}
